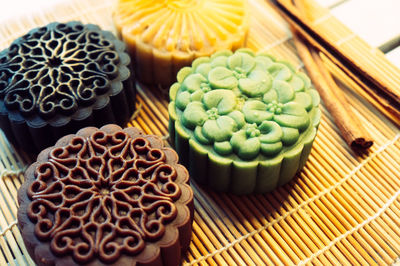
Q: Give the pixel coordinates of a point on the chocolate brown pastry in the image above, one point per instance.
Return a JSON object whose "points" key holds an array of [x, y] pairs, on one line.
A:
{"points": [[61, 77], [106, 196]]}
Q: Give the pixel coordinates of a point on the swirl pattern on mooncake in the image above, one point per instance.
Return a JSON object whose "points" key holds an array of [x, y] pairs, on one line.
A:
{"points": [[243, 111], [63, 72], [163, 36], [105, 195]]}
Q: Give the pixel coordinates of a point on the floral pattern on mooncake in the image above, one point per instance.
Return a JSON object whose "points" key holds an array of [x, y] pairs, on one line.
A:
{"points": [[243, 107]]}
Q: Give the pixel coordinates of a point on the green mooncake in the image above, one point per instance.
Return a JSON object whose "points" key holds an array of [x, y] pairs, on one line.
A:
{"points": [[243, 122]]}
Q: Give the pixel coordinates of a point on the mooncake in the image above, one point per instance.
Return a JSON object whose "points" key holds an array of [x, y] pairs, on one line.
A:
{"points": [[107, 196], [243, 122], [61, 77], [164, 36]]}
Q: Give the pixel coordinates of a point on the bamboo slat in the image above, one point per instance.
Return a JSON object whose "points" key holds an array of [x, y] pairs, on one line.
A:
{"points": [[342, 208]]}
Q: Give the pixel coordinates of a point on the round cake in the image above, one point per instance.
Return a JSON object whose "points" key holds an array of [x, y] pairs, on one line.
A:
{"points": [[242, 122], [61, 77], [163, 36], [106, 197]]}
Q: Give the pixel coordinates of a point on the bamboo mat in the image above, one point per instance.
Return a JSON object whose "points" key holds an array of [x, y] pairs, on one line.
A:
{"points": [[341, 209]]}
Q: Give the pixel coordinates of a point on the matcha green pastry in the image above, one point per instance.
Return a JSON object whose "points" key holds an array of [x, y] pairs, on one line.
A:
{"points": [[243, 122]]}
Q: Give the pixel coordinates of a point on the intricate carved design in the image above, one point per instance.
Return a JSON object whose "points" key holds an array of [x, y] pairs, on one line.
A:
{"points": [[103, 196], [57, 68], [244, 103]]}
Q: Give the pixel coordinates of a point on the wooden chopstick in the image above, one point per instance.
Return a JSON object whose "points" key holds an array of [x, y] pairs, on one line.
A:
{"points": [[335, 101], [334, 98], [382, 88]]}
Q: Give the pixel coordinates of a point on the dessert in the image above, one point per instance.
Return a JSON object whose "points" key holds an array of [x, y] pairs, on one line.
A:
{"points": [[242, 122], [61, 77], [163, 36], [106, 196]]}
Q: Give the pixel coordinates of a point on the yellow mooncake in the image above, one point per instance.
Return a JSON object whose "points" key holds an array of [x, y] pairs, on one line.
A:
{"points": [[162, 36]]}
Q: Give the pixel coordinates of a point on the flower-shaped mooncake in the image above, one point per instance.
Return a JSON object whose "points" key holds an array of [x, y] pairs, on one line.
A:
{"points": [[243, 122]]}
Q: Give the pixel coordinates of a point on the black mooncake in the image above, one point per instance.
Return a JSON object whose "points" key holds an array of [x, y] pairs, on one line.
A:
{"points": [[61, 77]]}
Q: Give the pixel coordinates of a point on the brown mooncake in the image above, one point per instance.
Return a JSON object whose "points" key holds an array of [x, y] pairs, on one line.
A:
{"points": [[106, 197]]}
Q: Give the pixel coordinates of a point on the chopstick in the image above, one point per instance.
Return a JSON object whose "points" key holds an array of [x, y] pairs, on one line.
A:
{"points": [[334, 98], [335, 101], [383, 89]]}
